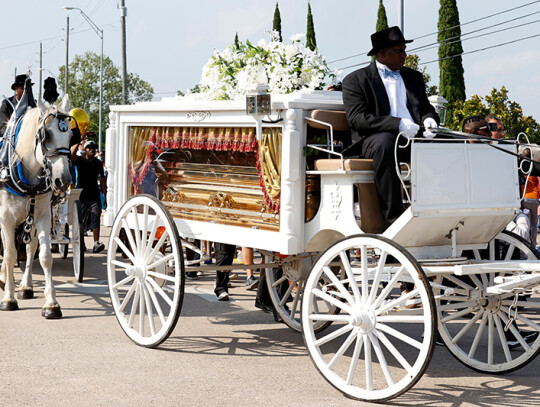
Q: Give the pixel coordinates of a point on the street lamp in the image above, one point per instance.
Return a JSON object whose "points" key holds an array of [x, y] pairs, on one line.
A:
{"points": [[99, 32]]}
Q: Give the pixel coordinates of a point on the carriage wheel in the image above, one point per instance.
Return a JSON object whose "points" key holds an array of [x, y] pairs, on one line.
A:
{"points": [[286, 295], [146, 276], [383, 339], [472, 324], [77, 242]]}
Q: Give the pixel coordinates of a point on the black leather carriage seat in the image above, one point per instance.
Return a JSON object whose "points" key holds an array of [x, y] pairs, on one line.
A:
{"points": [[371, 220]]}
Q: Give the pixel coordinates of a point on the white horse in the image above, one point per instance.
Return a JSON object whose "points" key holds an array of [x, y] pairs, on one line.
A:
{"points": [[42, 148]]}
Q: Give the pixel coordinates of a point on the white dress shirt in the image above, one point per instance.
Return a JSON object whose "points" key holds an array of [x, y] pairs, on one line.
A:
{"points": [[397, 94]]}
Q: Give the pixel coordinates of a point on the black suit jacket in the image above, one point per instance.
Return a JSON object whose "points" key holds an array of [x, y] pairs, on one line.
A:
{"points": [[368, 108], [5, 112]]}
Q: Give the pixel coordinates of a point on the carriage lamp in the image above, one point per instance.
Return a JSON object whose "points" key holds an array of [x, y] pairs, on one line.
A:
{"points": [[258, 105], [438, 102]]}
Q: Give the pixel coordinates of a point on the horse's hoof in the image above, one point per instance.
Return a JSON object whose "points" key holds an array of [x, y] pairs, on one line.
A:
{"points": [[27, 294], [51, 313], [9, 306]]}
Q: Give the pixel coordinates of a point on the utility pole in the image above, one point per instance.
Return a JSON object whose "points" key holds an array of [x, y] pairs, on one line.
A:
{"points": [[40, 68], [123, 13], [401, 19], [67, 55]]}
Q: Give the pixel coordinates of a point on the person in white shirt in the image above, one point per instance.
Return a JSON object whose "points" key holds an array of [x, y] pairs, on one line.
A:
{"points": [[382, 100]]}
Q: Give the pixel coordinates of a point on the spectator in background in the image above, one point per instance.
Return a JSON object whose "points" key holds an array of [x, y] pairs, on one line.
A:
{"points": [[531, 197], [90, 172], [496, 126]]}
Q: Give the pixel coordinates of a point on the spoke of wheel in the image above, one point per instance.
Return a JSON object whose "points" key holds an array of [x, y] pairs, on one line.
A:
{"points": [[158, 246], [162, 260], [455, 315], [397, 354], [476, 281], [466, 328], [476, 253], [377, 277], [365, 281], [401, 318], [527, 304], [149, 310], [161, 292], [330, 317], [484, 279], [514, 331], [460, 283], [155, 302], [381, 359], [490, 339], [343, 348], [141, 311], [172, 279], [151, 237], [492, 250], [333, 335], [384, 293], [137, 229], [478, 335], [510, 252], [124, 249], [350, 276], [121, 264], [401, 336], [395, 303], [129, 235], [278, 282], [456, 305], [128, 296], [144, 230], [354, 360], [332, 300], [367, 360], [296, 301], [122, 282], [523, 319], [134, 305], [340, 287], [502, 338], [287, 295]]}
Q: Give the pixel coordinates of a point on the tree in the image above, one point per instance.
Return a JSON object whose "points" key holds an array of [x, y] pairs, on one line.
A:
{"points": [[236, 45], [84, 73], [311, 42], [452, 81], [412, 61], [499, 104], [382, 21], [276, 26]]}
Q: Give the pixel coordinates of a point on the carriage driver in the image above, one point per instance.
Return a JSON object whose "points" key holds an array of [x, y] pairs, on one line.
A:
{"points": [[382, 100]]}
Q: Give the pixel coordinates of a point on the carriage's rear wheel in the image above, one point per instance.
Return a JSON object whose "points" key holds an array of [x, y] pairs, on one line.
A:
{"points": [[286, 294], [472, 323], [383, 339], [147, 287], [77, 242]]}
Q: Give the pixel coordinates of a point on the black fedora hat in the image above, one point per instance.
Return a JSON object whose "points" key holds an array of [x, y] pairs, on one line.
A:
{"points": [[19, 81], [386, 38]]}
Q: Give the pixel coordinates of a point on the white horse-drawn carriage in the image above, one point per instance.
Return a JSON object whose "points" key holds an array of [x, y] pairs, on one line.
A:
{"points": [[368, 300]]}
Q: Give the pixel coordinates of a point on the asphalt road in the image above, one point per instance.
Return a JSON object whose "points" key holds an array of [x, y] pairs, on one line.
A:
{"points": [[220, 354]]}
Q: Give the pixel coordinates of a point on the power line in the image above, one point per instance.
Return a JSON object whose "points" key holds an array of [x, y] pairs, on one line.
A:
{"points": [[449, 28]]}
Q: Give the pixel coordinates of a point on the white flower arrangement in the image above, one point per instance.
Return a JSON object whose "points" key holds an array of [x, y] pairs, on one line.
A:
{"points": [[285, 68]]}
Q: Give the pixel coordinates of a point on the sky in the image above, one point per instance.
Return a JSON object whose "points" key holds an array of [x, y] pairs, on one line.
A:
{"points": [[169, 41]]}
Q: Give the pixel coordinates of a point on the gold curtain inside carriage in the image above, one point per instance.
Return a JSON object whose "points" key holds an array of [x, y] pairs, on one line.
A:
{"points": [[219, 174]]}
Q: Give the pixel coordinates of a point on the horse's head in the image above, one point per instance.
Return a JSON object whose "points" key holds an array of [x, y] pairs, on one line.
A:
{"points": [[53, 143]]}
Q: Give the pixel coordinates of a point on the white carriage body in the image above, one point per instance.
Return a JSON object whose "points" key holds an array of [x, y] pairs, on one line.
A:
{"points": [[470, 188]]}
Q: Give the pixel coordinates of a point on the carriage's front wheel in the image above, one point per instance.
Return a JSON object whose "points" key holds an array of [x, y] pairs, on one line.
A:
{"points": [[77, 242], [381, 342], [146, 270]]}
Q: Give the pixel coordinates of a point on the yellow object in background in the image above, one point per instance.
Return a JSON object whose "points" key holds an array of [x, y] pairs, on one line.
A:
{"points": [[82, 120]]}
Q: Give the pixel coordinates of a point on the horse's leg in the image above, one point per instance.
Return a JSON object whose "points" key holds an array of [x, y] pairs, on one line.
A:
{"points": [[2, 276], [51, 309], [9, 303], [26, 287]]}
